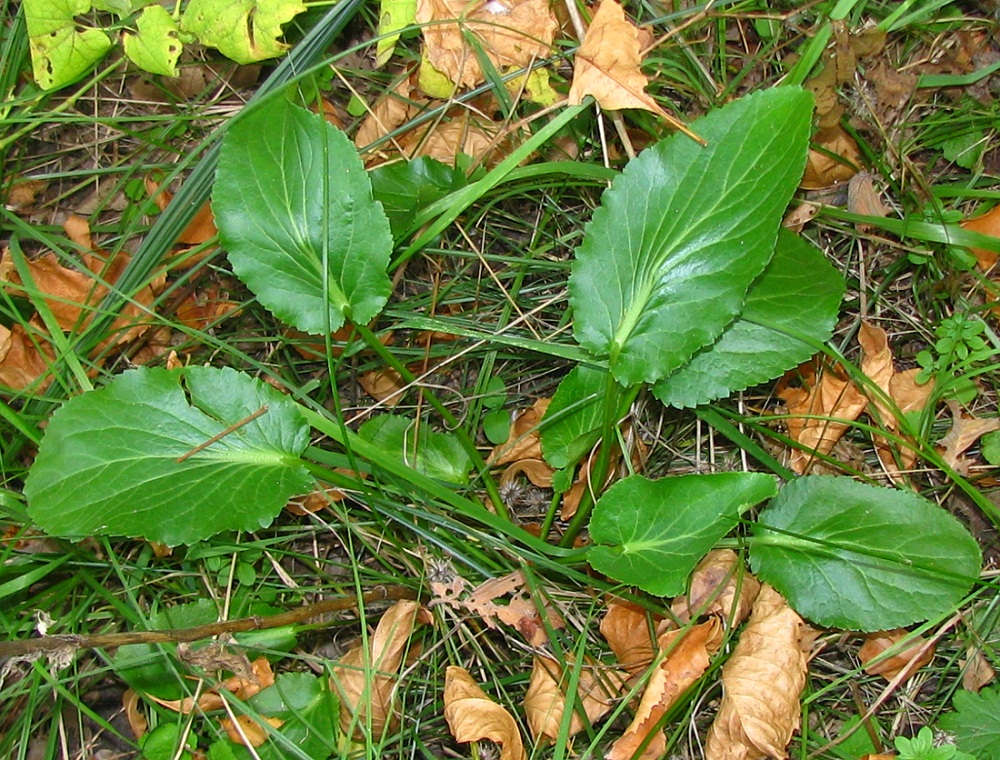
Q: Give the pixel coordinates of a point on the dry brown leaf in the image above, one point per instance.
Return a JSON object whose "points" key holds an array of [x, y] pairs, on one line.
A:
{"points": [[761, 684], [461, 132], [200, 229], [512, 33], [911, 659], [826, 392], [719, 586], [537, 471], [524, 441], [901, 387], [607, 64], [986, 224], [472, 716], [822, 170], [384, 385], [689, 652], [796, 219], [244, 685], [626, 629], [389, 113], [545, 700], [247, 731], [136, 720], [366, 680], [863, 198], [965, 430], [24, 359], [23, 194], [976, 670]]}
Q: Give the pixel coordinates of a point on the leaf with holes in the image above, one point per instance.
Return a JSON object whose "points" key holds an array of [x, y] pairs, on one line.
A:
{"points": [[682, 233], [244, 30], [109, 462], [294, 208], [61, 51]]}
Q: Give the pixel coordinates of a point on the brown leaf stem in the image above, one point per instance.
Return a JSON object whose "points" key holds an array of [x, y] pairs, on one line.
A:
{"points": [[176, 635]]}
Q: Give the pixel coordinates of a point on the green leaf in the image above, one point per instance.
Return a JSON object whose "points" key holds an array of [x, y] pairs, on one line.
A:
{"points": [[243, 30], [975, 723], [496, 426], [295, 211], [394, 15], [153, 668], [798, 296], [849, 555], [157, 46], [308, 708], [668, 257], [651, 533], [989, 447], [437, 455], [108, 464], [61, 52], [163, 742], [572, 422], [407, 187]]}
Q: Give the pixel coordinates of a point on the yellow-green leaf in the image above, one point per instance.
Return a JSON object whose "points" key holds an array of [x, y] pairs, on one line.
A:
{"points": [[61, 52], [157, 45], [243, 30]]}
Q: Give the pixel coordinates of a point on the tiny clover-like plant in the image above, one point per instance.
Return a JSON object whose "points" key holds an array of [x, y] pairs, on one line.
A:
{"points": [[63, 50]]}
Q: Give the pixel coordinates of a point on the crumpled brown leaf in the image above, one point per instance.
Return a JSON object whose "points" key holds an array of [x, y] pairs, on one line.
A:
{"points": [[902, 387], [607, 64], [246, 730], [911, 659], [200, 229], [512, 34], [965, 430], [761, 684], [473, 716], [517, 610], [365, 681], [822, 169], [524, 441], [689, 652], [976, 670], [830, 399], [626, 629], [242, 686], [719, 586], [545, 700], [837, 401]]}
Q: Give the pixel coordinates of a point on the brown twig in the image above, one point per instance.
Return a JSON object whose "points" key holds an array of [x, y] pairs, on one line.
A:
{"points": [[256, 623], [219, 436]]}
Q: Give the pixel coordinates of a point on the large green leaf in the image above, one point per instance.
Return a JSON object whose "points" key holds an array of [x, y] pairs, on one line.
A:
{"points": [[651, 533], [294, 208], [61, 51], [668, 257], [404, 188], [108, 464], [975, 723], [798, 296], [849, 555], [244, 30]]}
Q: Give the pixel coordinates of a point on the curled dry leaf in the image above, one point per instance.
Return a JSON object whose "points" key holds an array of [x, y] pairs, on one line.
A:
{"points": [[688, 653], [200, 229], [243, 686], [916, 654], [365, 680], [384, 385], [607, 64], [901, 387], [473, 716], [626, 628], [24, 358], [545, 700], [820, 407], [511, 33], [965, 430], [987, 224], [761, 684], [538, 471], [136, 720], [976, 670], [838, 160], [523, 441], [719, 586], [246, 730]]}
